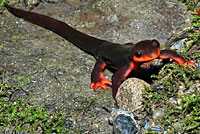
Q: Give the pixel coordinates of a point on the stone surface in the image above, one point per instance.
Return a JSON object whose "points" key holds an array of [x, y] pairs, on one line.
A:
{"points": [[129, 96], [60, 71]]}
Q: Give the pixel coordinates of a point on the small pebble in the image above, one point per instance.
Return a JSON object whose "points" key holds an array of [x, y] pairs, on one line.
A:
{"points": [[158, 114]]}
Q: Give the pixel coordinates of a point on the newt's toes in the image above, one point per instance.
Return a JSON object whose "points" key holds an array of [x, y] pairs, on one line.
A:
{"points": [[107, 82], [96, 85], [101, 84], [190, 63]]}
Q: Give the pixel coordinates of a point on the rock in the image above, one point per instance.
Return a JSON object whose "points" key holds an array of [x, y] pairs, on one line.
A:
{"points": [[129, 96], [136, 20], [123, 122], [31, 3], [158, 114], [18, 93]]}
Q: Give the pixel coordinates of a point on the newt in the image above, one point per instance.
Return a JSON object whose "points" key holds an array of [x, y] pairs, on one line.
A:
{"points": [[123, 57]]}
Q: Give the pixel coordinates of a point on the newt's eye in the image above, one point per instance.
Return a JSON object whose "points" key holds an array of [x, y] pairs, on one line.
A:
{"points": [[138, 54]]}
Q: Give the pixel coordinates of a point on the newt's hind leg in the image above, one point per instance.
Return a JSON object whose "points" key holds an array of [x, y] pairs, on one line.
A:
{"points": [[166, 54], [97, 77]]}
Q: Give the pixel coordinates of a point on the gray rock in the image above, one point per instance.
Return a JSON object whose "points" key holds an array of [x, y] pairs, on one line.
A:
{"points": [[123, 122]]}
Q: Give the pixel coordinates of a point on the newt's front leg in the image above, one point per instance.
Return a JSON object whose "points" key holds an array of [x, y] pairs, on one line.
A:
{"points": [[168, 54], [120, 75], [97, 77]]}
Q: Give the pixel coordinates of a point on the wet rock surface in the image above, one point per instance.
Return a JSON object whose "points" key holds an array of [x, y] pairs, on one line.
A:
{"points": [[60, 71]]}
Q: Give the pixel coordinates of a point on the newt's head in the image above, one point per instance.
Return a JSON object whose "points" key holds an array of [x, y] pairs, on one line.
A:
{"points": [[146, 50]]}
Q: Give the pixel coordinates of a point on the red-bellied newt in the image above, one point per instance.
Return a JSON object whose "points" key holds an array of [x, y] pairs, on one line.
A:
{"points": [[124, 57]]}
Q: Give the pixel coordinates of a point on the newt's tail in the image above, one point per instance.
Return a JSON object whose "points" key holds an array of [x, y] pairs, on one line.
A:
{"points": [[79, 39]]}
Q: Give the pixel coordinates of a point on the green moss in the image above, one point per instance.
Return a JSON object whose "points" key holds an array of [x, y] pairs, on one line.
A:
{"points": [[22, 115], [191, 4], [3, 46], [2, 3], [184, 115]]}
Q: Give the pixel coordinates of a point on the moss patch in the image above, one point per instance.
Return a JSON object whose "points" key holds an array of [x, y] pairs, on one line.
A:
{"points": [[21, 115], [180, 90]]}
